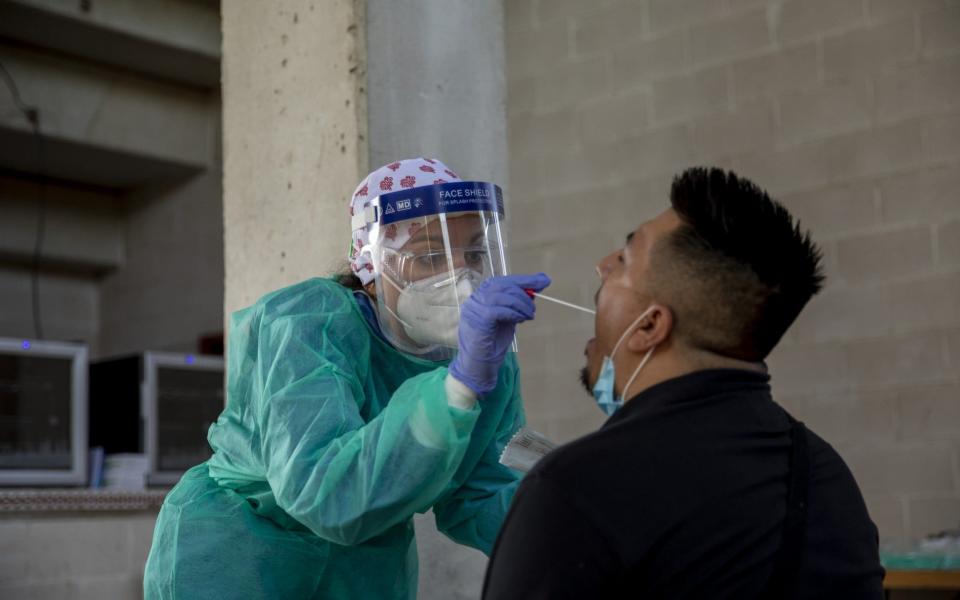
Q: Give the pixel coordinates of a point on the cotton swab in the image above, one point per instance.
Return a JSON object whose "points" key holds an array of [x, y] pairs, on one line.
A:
{"points": [[545, 297]]}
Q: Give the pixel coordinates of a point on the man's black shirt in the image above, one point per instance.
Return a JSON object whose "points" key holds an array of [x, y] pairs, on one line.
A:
{"points": [[682, 494]]}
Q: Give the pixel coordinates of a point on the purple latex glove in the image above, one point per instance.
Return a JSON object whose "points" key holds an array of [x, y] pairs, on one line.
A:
{"points": [[488, 320]]}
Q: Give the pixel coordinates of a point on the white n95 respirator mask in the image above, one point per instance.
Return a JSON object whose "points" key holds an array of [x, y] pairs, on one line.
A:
{"points": [[429, 309]]}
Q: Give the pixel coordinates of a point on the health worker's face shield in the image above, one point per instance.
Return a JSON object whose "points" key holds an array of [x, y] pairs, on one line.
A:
{"points": [[431, 247]]}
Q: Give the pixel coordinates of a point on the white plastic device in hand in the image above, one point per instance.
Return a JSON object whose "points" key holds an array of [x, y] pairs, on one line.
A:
{"points": [[526, 447]]}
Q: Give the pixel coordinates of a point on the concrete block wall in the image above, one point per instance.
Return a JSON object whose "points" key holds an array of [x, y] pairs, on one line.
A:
{"points": [[132, 246], [170, 291], [846, 110], [68, 305], [74, 556]]}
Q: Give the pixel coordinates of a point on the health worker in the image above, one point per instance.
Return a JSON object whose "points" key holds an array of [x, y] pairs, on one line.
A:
{"points": [[355, 402]]}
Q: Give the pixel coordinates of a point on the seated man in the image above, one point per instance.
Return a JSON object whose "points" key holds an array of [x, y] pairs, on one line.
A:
{"points": [[699, 485]]}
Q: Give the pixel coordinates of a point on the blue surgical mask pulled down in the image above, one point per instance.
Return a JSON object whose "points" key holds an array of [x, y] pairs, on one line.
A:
{"points": [[603, 389]]}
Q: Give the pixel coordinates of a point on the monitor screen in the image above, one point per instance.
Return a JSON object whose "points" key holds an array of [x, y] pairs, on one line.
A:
{"points": [[35, 407], [188, 402]]}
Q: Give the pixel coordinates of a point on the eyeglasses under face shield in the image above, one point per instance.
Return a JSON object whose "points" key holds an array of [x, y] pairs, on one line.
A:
{"points": [[406, 267]]}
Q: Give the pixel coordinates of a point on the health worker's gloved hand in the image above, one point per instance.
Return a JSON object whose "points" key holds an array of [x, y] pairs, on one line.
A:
{"points": [[488, 320]]}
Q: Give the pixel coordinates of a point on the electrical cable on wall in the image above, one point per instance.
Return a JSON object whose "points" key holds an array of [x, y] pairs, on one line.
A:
{"points": [[32, 114]]}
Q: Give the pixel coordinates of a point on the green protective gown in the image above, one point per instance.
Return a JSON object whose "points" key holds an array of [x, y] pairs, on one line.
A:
{"points": [[332, 439]]}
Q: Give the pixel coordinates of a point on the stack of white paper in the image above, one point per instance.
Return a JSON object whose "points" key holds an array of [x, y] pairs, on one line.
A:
{"points": [[125, 472]]}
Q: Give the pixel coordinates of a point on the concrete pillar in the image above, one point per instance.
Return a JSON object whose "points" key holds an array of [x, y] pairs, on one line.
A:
{"points": [[294, 129], [437, 84], [438, 88]]}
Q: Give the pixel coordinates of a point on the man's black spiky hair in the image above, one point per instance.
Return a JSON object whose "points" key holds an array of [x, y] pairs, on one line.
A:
{"points": [[731, 225]]}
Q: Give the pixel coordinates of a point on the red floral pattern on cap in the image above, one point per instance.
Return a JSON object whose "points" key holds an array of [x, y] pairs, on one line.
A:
{"points": [[406, 174]]}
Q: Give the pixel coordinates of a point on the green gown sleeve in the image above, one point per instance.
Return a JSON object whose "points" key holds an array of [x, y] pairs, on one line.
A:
{"points": [[345, 479], [472, 514]]}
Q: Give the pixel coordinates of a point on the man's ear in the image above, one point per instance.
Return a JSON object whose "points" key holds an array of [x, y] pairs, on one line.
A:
{"points": [[652, 330], [371, 289]]}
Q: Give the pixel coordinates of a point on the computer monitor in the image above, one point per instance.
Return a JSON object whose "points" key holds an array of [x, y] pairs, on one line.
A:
{"points": [[43, 412], [157, 403]]}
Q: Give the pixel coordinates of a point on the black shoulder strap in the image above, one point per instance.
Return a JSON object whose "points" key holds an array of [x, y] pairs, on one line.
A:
{"points": [[786, 568]]}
